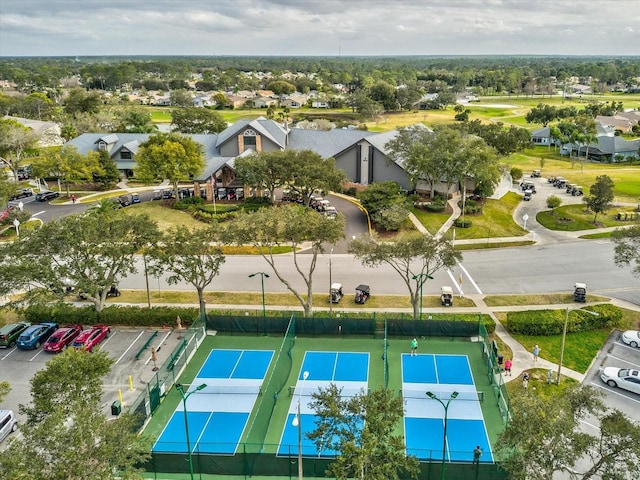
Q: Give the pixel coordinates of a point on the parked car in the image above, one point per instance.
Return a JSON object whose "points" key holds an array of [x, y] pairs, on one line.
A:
{"points": [[135, 198], [9, 333], [631, 337], [624, 378], [36, 335], [46, 196], [89, 338], [22, 193], [8, 423], [61, 338], [527, 195]]}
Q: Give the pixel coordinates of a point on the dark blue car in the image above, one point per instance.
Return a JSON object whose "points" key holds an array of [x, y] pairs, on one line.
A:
{"points": [[36, 335]]}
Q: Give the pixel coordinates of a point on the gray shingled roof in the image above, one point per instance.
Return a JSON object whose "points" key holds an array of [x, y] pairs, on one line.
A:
{"points": [[270, 129], [325, 143]]}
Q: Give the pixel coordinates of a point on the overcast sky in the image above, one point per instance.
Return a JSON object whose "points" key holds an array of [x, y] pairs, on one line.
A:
{"points": [[319, 27]]}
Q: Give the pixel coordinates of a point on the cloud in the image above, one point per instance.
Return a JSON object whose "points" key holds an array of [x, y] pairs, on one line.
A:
{"points": [[315, 27]]}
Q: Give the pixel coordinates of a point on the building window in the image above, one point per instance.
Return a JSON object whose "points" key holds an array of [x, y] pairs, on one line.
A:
{"points": [[102, 146], [249, 138], [125, 155]]}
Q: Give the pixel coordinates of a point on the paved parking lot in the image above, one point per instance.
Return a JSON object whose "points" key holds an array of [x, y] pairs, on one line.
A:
{"points": [[615, 353], [18, 366]]}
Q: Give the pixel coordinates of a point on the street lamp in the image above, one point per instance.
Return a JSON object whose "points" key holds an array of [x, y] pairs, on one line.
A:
{"points": [[420, 279], [184, 396], [330, 283], [564, 336], [264, 310], [444, 435], [297, 422], [16, 223]]}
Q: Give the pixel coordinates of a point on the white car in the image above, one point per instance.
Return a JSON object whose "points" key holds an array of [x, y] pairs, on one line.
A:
{"points": [[624, 378], [631, 337]]}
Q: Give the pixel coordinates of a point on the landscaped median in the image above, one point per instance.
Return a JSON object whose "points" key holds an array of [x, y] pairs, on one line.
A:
{"points": [[575, 218]]}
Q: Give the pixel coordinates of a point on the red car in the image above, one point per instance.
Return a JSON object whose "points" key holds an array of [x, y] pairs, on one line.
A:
{"points": [[61, 338], [91, 337]]}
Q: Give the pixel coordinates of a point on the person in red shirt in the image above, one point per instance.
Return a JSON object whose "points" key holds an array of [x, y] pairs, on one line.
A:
{"points": [[507, 367]]}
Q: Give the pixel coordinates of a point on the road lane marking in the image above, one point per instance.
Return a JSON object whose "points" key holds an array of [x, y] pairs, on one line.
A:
{"points": [[455, 282], [36, 214], [130, 346], [590, 425], [475, 285]]}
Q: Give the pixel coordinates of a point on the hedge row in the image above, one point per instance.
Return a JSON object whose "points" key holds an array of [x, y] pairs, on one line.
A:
{"points": [[551, 322], [65, 314]]}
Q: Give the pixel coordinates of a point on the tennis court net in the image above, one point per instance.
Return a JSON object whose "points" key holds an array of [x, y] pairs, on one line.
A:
{"points": [[231, 389], [345, 392], [474, 396]]}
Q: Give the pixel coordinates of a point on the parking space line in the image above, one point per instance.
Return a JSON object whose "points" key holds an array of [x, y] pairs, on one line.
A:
{"points": [[32, 358], [130, 346], [475, 285], [159, 343], [622, 360], [622, 344], [590, 425], [14, 349], [610, 390]]}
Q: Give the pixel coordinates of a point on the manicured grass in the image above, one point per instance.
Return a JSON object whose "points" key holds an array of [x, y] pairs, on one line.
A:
{"points": [[276, 300], [160, 114], [432, 221], [538, 385], [496, 220], [482, 246], [164, 216], [579, 351], [579, 218], [595, 236], [545, 299]]}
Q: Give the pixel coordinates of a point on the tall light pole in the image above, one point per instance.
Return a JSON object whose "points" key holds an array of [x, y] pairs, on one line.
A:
{"points": [[444, 435], [264, 308], [564, 336], [184, 396], [330, 282], [297, 422], [420, 279]]}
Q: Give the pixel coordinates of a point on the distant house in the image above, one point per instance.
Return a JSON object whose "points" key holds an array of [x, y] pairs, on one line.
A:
{"points": [[203, 101], [425, 101], [320, 104], [48, 133], [264, 102], [623, 121], [541, 136], [236, 101], [294, 102]]}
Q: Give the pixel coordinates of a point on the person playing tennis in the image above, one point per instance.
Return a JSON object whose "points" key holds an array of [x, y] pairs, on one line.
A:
{"points": [[414, 347]]}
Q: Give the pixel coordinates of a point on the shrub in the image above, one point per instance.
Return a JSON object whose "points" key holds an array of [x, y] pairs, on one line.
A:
{"points": [[460, 223], [554, 201], [551, 322], [516, 173], [391, 218], [435, 207], [123, 316]]}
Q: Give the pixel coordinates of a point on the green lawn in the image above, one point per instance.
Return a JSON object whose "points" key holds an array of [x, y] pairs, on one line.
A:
{"points": [[432, 221], [574, 218], [496, 220]]}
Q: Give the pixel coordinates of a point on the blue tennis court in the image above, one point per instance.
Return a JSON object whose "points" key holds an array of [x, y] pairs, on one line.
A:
{"points": [[424, 417], [218, 414], [347, 370]]}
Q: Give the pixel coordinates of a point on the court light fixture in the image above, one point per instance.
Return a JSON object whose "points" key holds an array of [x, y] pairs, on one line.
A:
{"points": [[433, 396], [263, 275], [297, 422], [180, 389]]}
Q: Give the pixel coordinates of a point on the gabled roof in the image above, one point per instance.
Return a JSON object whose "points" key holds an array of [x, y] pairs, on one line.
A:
{"points": [[544, 132], [613, 145], [132, 146], [108, 139], [270, 129]]}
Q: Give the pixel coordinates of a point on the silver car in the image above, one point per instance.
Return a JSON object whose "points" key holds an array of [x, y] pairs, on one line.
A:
{"points": [[631, 337], [8, 423], [624, 378]]}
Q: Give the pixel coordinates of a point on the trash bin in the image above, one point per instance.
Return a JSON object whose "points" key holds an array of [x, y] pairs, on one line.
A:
{"points": [[500, 360], [116, 408]]}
